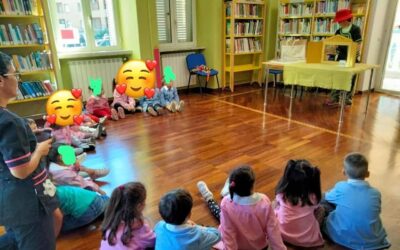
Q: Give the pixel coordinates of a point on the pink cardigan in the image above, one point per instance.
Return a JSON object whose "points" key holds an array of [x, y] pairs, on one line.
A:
{"points": [[249, 223], [96, 102], [298, 224], [126, 101], [142, 237]]}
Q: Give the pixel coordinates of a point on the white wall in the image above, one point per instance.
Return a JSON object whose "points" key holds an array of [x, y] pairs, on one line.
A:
{"points": [[379, 24]]}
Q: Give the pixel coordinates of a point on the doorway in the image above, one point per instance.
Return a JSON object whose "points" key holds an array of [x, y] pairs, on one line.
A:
{"points": [[391, 71]]}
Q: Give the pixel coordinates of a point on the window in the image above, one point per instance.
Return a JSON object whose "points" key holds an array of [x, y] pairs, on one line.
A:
{"points": [[62, 23], [66, 8], [60, 8], [83, 26], [176, 23], [95, 4]]}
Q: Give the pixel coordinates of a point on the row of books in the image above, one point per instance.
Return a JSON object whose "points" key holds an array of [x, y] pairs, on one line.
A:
{"points": [[243, 45], [18, 7], [296, 9], [246, 28], [21, 34], [296, 26], [33, 89], [244, 10], [331, 6], [325, 25], [38, 60]]}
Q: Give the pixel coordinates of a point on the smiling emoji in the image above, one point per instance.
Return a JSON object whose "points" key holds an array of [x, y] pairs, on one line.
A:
{"points": [[135, 76], [64, 107]]}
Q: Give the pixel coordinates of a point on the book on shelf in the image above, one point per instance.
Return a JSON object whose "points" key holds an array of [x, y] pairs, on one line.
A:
{"points": [[326, 25], [18, 34], [18, 7], [248, 10], [296, 9], [358, 8], [34, 89], [228, 9], [248, 28], [38, 60], [359, 21], [245, 45], [296, 26], [331, 6]]}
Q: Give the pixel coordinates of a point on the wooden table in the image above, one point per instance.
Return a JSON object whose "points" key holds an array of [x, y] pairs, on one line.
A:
{"points": [[326, 76]]}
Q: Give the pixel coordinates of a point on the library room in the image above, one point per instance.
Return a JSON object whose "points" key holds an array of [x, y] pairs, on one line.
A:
{"points": [[199, 124]]}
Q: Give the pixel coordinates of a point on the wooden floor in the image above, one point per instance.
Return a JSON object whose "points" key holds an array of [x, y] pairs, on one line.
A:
{"points": [[220, 131]]}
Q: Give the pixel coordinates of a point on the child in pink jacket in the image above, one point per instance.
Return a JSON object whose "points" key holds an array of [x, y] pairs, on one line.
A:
{"points": [[99, 107], [123, 104], [247, 218], [297, 209]]}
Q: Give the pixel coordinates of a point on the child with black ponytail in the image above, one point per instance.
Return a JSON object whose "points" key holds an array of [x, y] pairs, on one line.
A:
{"points": [[124, 226], [297, 208], [247, 218]]}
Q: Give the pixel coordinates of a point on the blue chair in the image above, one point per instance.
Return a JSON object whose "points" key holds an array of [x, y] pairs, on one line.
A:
{"points": [[194, 60]]}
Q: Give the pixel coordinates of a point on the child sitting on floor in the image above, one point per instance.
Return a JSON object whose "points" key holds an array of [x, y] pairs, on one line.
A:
{"points": [[123, 104], [79, 206], [177, 231], [170, 98], [247, 218], [152, 104], [297, 208], [124, 226], [354, 209], [69, 174], [99, 106]]}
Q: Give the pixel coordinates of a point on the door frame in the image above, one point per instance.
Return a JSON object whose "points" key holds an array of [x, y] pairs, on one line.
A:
{"points": [[391, 15]]}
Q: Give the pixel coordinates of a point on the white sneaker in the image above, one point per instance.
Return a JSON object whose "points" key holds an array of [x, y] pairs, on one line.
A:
{"points": [[102, 119], [114, 114], [80, 158], [173, 107], [181, 106], [225, 189], [204, 191]]}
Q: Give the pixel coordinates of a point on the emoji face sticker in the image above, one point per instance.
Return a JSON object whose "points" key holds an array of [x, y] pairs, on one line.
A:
{"points": [[64, 107], [135, 76]]}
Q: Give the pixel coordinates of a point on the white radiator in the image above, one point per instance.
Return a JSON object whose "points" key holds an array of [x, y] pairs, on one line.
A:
{"points": [[177, 61], [82, 70]]}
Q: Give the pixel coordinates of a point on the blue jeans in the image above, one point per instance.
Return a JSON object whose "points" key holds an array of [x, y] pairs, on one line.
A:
{"points": [[96, 208]]}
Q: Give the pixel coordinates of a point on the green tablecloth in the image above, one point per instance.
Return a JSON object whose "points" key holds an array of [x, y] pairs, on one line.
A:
{"points": [[326, 76]]}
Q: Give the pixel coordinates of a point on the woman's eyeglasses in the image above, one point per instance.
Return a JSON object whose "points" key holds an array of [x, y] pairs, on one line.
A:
{"points": [[17, 75]]}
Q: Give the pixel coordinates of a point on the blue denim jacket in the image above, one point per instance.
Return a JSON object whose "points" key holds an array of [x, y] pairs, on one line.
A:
{"points": [[168, 95], [146, 102]]}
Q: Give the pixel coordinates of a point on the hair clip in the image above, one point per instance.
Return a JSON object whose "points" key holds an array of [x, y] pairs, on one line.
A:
{"points": [[122, 187], [232, 184]]}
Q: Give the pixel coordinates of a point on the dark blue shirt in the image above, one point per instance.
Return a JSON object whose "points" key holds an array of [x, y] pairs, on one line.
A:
{"points": [[21, 199]]}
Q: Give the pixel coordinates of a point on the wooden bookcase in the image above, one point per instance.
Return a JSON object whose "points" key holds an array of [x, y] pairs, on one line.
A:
{"points": [[24, 34], [313, 19], [243, 39]]}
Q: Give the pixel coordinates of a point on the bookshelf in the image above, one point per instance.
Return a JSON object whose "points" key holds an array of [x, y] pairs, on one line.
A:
{"points": [[313, 19], [243, 39], [23, 36]]}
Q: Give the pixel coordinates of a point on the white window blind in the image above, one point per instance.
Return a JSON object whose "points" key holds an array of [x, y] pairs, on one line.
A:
{"points": [[163, 21], [184, 20], [175, 22]]}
